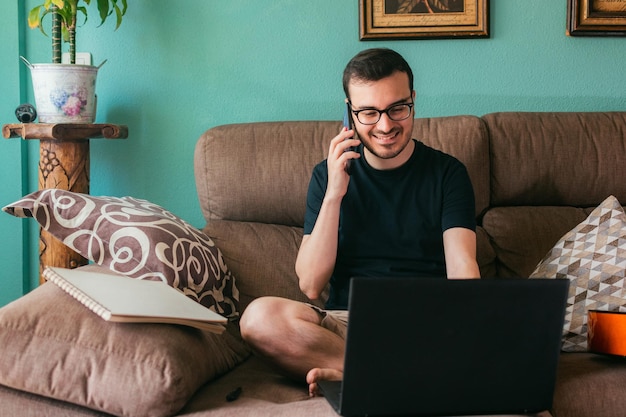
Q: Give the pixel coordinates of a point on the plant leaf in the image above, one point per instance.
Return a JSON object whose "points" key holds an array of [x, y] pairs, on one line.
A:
{"points": [[103, 8], [33, 17], [59, 3], [83, 10], [119, 15]]}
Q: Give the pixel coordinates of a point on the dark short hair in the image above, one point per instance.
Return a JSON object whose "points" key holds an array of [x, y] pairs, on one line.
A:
{"points": [[375, 64]]}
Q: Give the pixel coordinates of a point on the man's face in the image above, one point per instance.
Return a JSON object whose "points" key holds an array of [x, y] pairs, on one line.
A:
{"points": [[386, 141]]}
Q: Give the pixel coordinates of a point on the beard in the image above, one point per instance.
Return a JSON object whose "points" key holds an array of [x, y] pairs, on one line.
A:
{"points": [[384, 151]]}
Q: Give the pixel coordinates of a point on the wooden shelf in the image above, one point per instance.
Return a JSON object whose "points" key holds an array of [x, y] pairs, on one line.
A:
{"points": [[64, 131]]}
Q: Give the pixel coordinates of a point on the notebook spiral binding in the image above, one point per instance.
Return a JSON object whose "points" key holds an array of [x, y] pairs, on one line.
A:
{"points": [[83, 298]]}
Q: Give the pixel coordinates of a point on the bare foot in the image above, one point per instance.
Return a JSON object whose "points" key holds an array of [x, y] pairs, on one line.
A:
{"points": [[321, 374]]}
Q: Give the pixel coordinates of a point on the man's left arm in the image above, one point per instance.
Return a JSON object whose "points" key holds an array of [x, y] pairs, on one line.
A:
{"points": [[459, 245]]}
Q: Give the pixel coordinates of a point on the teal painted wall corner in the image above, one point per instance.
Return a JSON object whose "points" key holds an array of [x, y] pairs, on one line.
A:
{"points": [[14, 280]]}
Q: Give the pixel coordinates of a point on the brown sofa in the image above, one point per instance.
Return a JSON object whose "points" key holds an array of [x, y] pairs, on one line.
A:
{"points": [[535, 176]]}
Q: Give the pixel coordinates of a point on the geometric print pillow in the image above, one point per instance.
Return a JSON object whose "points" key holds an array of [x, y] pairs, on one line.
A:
{"points": [[138, 239], [593, 257]]}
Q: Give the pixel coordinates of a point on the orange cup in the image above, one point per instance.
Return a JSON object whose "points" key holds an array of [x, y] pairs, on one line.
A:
{"points": [[606, 332]]}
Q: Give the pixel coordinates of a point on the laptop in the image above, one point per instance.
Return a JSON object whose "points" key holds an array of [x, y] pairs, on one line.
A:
{"points": [[429, 347]]}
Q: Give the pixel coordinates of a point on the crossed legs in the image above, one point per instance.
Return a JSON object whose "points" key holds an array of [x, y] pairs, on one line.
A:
{"points": [[289, 334]]}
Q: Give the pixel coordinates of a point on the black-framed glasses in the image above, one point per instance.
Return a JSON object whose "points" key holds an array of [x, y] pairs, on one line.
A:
{"points": [[397, 112]]}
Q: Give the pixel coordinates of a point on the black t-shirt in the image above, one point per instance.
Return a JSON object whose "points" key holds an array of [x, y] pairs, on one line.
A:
{"points": [[392, 221]]}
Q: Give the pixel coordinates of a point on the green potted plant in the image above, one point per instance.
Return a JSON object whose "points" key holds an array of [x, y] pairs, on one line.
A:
{"points": [[66, 92]]}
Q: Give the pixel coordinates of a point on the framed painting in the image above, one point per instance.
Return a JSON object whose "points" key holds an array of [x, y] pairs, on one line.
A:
{"points": [[596, 17], [423, 19]]}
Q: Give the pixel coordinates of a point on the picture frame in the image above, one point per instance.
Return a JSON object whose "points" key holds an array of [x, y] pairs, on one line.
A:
{"points": [[596, 18], [423, 19]]}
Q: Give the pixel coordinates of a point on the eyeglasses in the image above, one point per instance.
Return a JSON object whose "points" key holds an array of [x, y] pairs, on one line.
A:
{"points": [[397, 112]]}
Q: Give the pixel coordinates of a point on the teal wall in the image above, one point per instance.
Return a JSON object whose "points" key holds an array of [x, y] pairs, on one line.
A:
{"points": [[178, 68], [13, 154]]}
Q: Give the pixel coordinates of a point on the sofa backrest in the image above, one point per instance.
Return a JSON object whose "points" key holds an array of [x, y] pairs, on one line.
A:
{"points": [[557, 159], [259, 172], [535, 176]]}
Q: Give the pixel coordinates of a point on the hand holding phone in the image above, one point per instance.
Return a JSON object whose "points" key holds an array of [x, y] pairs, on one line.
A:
{"points": [[347, 123]]}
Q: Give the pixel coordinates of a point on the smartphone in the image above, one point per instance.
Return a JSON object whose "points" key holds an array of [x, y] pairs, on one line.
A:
{"points": [[347, 123]]}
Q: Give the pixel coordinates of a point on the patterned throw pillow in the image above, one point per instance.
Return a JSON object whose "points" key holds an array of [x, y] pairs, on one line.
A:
{"points": [[593, 257], [136, 238]]}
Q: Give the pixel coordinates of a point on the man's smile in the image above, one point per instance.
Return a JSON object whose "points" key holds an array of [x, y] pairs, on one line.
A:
{"points": [[384, 139]]}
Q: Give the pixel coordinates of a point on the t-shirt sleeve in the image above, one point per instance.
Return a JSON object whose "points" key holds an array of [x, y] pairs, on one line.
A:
{"points": [[458, 202], [315, 196]]}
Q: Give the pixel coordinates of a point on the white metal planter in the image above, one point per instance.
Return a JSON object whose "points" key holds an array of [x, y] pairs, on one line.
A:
{"points": [[64, 93]]}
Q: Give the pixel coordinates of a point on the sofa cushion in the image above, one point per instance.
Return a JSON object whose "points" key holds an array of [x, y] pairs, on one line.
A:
{"points": [[464, 137], [259, 172], [263, 256], [485, 254], [136, 238], [24, 404], [521, 236], [265, 393], [556, 158], [55, 347], [592, 256], [590, 385]]}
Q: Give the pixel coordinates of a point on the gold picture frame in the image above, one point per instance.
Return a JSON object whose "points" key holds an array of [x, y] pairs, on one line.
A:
{"points": [[423, 19], [596, 18]]}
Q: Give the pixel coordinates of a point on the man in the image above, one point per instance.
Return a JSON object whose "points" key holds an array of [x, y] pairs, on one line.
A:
{"points": [[403, 210]]}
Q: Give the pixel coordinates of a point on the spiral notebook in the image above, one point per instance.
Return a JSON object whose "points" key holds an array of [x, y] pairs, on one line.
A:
{"points": [[118, 298]]}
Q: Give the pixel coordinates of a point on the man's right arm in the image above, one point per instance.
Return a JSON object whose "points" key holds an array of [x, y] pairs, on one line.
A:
{"points": [[318, 251]]}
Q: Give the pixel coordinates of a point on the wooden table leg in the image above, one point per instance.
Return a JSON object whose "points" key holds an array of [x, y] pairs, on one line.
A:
{"points": [[63, 165]]}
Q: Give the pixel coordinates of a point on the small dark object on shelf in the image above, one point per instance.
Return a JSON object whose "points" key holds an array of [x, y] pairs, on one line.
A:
{"points": [[26, 113]]}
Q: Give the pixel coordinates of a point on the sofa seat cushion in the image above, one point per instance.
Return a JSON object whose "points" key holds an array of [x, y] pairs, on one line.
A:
{"points": [[590, 385], [55, 347], [264, 393]]}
